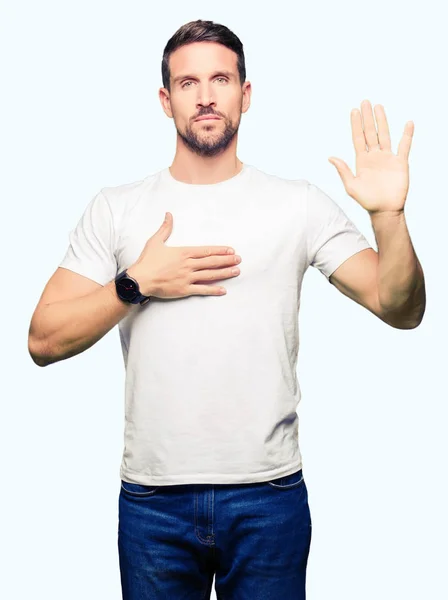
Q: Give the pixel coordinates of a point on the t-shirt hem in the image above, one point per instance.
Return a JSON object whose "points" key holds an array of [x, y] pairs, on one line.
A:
{"points": [[209, 478]]}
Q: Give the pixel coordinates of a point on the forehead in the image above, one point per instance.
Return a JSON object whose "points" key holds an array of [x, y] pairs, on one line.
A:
{"points": [[201, 58]]}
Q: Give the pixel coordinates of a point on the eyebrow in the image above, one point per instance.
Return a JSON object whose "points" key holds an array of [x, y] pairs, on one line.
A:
{"points": [[228, 74]]}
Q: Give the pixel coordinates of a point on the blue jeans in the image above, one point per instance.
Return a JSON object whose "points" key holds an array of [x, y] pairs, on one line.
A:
{"points": [[254, 538]]}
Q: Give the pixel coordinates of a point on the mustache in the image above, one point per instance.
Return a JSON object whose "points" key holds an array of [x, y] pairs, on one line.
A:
{"points": [[207, 114]]}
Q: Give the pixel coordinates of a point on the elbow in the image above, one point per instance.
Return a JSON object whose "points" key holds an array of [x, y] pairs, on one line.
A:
{"points": [[405, 325], [399, 320], [37, 353], [408, 315]]}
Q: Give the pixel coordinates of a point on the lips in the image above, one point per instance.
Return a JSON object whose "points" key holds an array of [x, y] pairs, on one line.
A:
{"points": [[207, 117]]}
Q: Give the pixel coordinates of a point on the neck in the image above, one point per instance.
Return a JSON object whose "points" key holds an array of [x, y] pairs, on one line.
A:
{"points": [[205, 171]]}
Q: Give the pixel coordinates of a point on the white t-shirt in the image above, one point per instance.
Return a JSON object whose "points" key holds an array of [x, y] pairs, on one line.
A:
{"points": [[211, 390]]}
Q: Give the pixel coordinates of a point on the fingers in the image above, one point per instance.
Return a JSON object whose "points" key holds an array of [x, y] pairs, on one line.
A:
{"points": [[212, 262], [370, 132], [214, 274], [204, 251], [383, 127], [206, 290], [358, 138]]}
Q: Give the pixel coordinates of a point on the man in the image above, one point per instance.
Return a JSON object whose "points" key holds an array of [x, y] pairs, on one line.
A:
{"points": [[211, 476]]}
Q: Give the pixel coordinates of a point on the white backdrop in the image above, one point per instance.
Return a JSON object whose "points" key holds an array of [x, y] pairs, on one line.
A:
{"points": [[80, 111]]}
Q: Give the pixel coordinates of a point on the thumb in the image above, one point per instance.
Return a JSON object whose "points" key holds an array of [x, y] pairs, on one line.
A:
{"points": [[343, 169], [166, 228]]}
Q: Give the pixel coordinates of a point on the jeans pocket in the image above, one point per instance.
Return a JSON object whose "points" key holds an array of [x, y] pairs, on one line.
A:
{"points": [[287, 482], [138, 490]]}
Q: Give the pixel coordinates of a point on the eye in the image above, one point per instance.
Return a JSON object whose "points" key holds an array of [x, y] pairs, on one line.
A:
{"points": [[190, 81]]}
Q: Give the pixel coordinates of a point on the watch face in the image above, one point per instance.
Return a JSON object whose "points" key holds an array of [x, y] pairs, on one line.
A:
{"points": [[127, 288]]}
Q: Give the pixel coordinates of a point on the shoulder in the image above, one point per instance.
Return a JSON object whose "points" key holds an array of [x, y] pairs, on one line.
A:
{"points": [[124, 197], [279, 186]]}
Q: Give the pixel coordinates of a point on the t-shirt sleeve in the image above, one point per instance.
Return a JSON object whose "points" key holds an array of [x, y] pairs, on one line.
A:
{"points": [[91, 251], [332, 236]]}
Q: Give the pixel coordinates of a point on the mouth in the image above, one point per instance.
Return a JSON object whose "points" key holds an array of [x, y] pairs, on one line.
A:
{"points": [[208, 118]]}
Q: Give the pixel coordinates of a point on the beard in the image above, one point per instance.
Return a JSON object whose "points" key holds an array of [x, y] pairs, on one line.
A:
{"points": [[209, 138]]}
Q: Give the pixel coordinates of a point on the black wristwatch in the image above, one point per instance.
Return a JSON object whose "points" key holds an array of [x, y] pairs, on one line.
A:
{"points": [[128, 289]]}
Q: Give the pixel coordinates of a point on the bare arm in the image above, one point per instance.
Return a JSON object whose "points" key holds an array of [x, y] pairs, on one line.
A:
{"points": [[70, 317], [65, 328]]}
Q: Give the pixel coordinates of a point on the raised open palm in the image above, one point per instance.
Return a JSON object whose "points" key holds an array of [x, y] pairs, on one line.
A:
{"points": [[381, 182]]}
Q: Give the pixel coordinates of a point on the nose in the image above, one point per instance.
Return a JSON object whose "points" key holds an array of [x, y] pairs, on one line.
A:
{"points": [[205, 103]]}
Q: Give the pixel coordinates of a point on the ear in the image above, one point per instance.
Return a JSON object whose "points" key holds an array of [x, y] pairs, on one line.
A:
{"points": [[247, 93], [164, 97]]}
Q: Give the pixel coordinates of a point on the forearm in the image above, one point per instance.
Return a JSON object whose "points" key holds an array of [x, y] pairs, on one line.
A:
{"points": [[401, 284], [66, 328]]}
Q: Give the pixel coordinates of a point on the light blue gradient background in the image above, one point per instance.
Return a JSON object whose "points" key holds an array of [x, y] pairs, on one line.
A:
{"points": [[80, 111]]}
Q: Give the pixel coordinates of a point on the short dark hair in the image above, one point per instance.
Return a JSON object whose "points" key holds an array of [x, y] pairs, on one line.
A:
{"points": [[203, 31]]}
